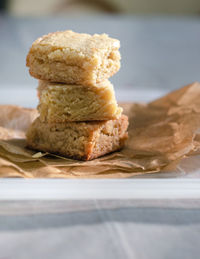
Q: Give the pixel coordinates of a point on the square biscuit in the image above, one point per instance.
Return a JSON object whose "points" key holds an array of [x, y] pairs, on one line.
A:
{"points": [[74, 58], [78, 140], [62, 103]]}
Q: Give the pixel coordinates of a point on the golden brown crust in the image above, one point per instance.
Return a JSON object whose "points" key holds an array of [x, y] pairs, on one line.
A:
{"points": [[79, 140], [74, 58]]}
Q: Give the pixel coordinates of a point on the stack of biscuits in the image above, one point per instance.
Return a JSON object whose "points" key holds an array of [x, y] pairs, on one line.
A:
{"points": [[79, 116]]}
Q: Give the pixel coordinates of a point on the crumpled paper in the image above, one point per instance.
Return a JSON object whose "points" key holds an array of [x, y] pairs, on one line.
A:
{"points": [[161, 133]]}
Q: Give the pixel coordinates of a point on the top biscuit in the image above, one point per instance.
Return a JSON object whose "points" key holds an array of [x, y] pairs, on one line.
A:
{"points": [[74, 58]]}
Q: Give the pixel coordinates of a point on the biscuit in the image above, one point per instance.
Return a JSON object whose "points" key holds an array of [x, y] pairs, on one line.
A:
{"points": [[61, 102], [74, 58], [79, 140]]}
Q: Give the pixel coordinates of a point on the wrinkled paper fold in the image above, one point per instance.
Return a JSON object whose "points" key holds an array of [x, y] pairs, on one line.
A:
{"points": [[161, 133]]}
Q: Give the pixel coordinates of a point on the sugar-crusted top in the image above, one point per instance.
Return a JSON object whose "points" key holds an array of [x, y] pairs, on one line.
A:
{"points": [[83, 43]]}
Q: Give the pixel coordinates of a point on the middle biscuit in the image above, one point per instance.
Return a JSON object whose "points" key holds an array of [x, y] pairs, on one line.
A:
{"points": [[61, 102]]}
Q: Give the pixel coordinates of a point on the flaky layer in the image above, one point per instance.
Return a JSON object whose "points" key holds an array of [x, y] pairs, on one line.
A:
{"points": [[62, 103], [74, 58], [79, 140]]}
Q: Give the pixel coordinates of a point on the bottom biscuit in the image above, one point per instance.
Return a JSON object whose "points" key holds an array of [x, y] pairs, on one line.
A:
{"points": [[78, 140]]}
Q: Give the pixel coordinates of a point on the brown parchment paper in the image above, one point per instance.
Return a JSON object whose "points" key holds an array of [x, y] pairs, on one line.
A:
{"points": [[161, 133]]}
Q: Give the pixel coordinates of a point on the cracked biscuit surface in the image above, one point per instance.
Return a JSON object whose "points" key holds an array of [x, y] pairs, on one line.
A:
{"points": [[74, 58], [79, 140], [62, 102]]}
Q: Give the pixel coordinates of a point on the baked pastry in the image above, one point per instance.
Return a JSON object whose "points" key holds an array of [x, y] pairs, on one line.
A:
{"points": [[62, 102], [79, 140], [74, 58]]}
